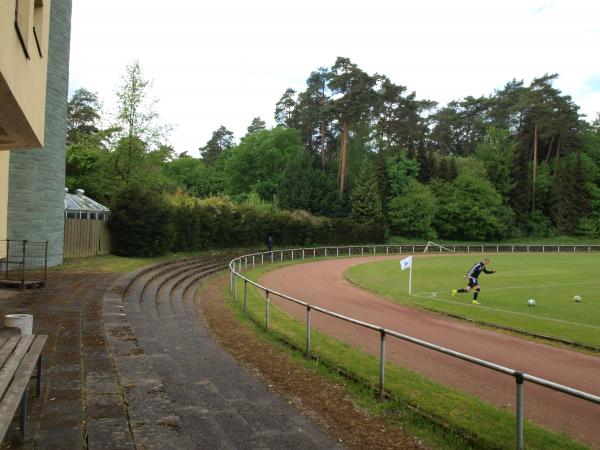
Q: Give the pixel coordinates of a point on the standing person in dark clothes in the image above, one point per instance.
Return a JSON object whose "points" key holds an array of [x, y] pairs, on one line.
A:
{"points": [[270, 243], [472, 275]]}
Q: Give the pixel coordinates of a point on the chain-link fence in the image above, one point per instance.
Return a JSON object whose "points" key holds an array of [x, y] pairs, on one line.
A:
{"points": [[23, 263]]}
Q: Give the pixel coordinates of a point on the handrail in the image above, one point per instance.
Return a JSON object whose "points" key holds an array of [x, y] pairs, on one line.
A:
{"points": [[520, 377]]}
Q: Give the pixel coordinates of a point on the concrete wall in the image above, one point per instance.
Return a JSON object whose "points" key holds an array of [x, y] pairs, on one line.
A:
{"points": [[37, 177], [22, 80]]}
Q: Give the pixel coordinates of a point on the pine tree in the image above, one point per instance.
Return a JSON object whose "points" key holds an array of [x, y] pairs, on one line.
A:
{"points": [[365, 201]]}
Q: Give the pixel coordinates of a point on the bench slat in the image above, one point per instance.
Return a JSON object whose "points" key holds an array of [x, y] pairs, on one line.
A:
{"points": [[7, 348], [12, 399], [9, 368]]}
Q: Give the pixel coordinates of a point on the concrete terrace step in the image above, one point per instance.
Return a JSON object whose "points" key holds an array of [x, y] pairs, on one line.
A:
{"points": [[182, 390]]}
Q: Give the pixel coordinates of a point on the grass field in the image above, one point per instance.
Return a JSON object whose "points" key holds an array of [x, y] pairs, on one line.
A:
{"points": [[551, 279]]}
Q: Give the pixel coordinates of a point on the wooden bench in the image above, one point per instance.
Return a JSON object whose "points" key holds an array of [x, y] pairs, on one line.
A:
{"points": [[20, 356]]}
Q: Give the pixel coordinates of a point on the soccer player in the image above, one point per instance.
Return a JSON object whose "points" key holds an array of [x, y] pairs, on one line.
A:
{"points": [[472, 276]]}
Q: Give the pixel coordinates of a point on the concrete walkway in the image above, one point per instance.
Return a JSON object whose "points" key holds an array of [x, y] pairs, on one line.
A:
{"points": [[129, 364]]}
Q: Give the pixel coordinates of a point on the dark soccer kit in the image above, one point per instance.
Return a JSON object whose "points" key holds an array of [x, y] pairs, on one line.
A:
{"points": [[474, 272]]}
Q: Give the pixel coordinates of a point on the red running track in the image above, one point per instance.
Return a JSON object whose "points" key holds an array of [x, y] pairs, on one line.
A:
{"points": [[323, 284]]}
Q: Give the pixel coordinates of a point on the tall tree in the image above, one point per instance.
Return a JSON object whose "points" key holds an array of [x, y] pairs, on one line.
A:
{"points": [[257, 125], [284, 108], [221, 140], [354, 98], [136, 109], [83, 115]]}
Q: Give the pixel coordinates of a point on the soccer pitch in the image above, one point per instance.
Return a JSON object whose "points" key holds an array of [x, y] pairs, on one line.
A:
{"points": [[552, 280]]}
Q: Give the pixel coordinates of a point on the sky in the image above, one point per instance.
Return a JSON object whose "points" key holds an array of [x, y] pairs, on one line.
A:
{"points": [[225, 62]]}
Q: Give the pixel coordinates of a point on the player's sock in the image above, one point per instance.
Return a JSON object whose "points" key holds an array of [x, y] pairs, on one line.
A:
{"points": [[463, 290], [475, 294]]}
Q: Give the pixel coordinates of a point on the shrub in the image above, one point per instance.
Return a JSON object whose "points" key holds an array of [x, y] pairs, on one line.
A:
{"points": [[140, 222]]}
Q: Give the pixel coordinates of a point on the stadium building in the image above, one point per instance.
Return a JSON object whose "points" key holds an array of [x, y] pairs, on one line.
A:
{"points": [[34, 73]]}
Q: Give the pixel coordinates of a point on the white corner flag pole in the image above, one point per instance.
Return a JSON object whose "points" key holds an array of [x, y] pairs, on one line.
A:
{"points": [[406, 263]]}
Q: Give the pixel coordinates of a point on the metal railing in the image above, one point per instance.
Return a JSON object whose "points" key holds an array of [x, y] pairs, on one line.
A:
{"points": [[23, 263], [237, 265]]}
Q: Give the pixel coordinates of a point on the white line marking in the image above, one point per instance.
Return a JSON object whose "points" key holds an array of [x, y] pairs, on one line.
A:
{"points": [[428, 296]]}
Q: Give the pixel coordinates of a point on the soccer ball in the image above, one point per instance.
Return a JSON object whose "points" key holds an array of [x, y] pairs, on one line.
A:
{"points": [[531, 302], [577, 298]]}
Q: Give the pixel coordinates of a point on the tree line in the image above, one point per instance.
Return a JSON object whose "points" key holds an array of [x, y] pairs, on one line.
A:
{"points": [[521, 161]]}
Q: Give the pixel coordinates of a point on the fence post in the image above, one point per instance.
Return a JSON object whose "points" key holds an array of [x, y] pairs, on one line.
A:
{"points": [[262, 258], [245, 294], [382, 365], [337, 251], [7, 256], [307, 331], [387, 250], [267, 311], [281, 254], [314, 253], [519, 380], [23, 264], [292, 255], [325, 253], [350, 251], [302, 254], [234, 288], [230, 279], [271, 257], [45, 266]]}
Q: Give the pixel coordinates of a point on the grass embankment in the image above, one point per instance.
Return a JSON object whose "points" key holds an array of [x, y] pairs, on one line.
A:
{"points": [[443, 417], [552, 280]]}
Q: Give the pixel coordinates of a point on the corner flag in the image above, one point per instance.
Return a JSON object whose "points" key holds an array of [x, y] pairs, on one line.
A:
{"points": [[406, 263]]}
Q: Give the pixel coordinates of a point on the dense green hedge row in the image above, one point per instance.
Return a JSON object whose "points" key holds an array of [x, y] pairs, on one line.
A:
{"points": [[146, 224]]}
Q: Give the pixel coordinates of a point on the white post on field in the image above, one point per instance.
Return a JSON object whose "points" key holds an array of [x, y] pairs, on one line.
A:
{"points": [[406, 263]]}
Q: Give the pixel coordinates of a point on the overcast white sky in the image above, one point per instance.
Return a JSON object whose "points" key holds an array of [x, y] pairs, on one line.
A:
{"points": [[224, 62]]}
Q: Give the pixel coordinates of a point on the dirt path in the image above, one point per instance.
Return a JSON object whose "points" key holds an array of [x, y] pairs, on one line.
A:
{"points": [[323, 284]]}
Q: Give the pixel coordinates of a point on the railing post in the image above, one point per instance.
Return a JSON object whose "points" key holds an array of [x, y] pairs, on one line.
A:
{"points": [[337, 251], [292, 255], [325, 253], [45, 264], [246, 263], [314, 253], [267, 311], [23, 265], [302, 254], [413, 249], [245, 294], [230, 279], [387, 250], [349, 251], [7, 256], [281, 254], [271, 257], [382, 366], [262, 258], [253, 261], [234, 288], [307, 331], [519, 379]]}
